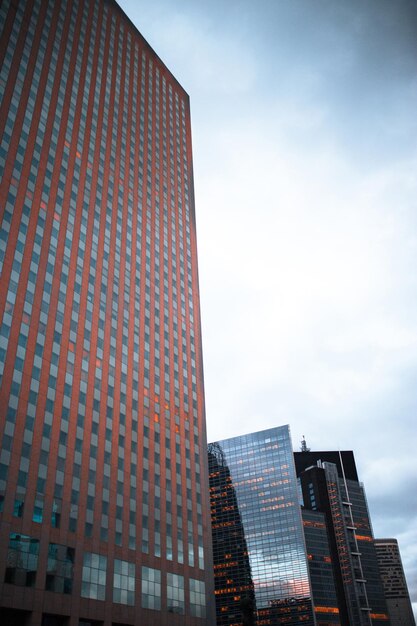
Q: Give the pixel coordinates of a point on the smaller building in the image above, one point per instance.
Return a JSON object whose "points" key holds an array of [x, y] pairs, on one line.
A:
{"points": [[321, 568], [260, 562], [293, 540], [394, 582], [330, 485], [235, 594]]}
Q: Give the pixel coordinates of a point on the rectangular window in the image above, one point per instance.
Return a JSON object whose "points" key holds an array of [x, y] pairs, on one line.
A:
{"points": [[56, 514], [59, 572], [124, 582], [175, 593], [18, 508], [37, 511], [151, 588], [22, 560], [197, 598], [94, 576]]}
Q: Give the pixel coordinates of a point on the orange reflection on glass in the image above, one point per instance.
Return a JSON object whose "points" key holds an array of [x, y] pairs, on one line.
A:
{"points": [[326, 609]]}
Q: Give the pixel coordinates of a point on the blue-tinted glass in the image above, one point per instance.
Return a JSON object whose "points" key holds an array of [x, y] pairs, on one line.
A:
{"points": [[258, 540]]}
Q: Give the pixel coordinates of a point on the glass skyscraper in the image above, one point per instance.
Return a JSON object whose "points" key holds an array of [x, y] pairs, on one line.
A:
{"points": [[103, 470], [260, 560]]}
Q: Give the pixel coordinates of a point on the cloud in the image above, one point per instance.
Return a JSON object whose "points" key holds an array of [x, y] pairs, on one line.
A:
{"points": [[200, 54], [299, 255]]}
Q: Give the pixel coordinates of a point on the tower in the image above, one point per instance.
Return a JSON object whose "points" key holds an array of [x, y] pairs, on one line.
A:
{"points": [[260, 561], [394, 582], [103, 506], [330, 485]]}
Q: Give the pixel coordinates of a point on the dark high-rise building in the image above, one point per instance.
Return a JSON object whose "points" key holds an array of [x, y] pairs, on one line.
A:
{"points": [[329, 483], [394, 582], [320, 562], [260, 560], [104, 515], [232, 569]]}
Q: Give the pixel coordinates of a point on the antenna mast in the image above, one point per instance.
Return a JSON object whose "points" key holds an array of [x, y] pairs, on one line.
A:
{"points": [[304, 445]]}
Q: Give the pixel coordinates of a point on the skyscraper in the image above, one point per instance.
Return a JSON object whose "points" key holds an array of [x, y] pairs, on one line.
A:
{"points": [[394, 582], [103, 507], [292, 536], [260, 560], [330, 484], [321, 566], [232, 568]]}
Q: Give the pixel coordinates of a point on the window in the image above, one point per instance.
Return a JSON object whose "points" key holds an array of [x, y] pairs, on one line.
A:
{"points": [[37, 511], [175, 593], [18, 508], [124, 582], [59, 572], [151, 588], [94, 576], [197, 598], [56, 514], [22, 560]]}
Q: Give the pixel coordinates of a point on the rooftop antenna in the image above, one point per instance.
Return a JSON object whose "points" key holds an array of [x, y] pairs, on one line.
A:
{"points": [[304, 445]]}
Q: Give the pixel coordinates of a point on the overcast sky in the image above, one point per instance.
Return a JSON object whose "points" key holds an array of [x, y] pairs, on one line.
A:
{"points": [[304, 120]]}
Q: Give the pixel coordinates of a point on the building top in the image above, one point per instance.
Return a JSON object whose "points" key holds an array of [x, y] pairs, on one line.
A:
{"points": [[126, 18], [256, 435], [303, 460]]}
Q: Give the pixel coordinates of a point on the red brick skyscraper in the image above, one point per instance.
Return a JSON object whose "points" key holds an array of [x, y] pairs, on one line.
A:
{"points": [[103, 479]]}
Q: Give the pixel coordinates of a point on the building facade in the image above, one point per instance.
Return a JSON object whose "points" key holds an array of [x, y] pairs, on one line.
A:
{"points": [[104, 517], [232, 567], [394, 582], [330, 484], [260, 561], [320, 562]]}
